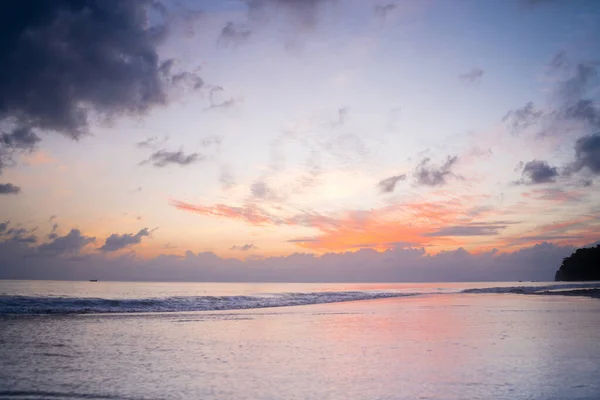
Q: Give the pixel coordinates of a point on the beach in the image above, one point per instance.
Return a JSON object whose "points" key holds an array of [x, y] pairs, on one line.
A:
{"points": [[440, 346]]}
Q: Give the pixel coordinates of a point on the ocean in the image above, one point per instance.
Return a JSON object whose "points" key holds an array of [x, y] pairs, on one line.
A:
{"points": [[134, 340]]}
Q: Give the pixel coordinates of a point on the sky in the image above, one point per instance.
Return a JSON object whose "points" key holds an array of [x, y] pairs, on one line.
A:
{"points": [[298, 140]]}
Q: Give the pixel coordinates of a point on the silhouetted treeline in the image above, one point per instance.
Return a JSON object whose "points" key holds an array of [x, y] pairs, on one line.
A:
{"points": [[583, 265]]}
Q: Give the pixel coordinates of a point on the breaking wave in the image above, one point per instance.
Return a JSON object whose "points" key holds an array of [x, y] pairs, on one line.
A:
{"points": [[534, 289], [70, 305], [15, 304]]}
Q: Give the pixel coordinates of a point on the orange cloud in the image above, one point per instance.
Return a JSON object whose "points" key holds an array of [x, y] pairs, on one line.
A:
{"points": [[249, 213], [409, 224], [574, 232], [553, 194]]}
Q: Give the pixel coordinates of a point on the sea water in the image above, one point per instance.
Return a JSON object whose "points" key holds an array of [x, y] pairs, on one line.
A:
{"points": [[113, 340]]}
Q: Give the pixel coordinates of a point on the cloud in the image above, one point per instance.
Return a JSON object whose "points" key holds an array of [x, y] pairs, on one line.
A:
{"points": [[407, 223], [223, 105], [383, 10], [20, 140], [117, 242], [473, 76], [473, 229], [71, 243], [554, 194], [522, 118], [572, 231], [544, 238], [536, 172], [245, 247], [226, 178], [569, 108], [300, 13], [261, 191], [234, 35], [389, 184], [217, 101], [213, 140], [400, 264], [53, 235], [302, 240], [431, 175], [9, 188], [587, 154], [162, 158], [83, 58], [584, 110], [248, 213], [16, 235], [573, 89], [148, 143]]}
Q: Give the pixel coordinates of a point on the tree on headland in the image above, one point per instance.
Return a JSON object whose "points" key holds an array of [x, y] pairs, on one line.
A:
{"points": [[582, 265]]}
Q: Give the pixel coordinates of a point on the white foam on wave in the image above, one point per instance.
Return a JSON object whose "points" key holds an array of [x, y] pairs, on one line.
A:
{"points": [[70, 305], [14, 304], [534, 289]]}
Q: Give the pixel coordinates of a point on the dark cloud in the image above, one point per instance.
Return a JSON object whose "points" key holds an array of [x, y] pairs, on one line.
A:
{"points": [[401, 264], [560, 60], [16, 235], [473, 76], [571, 101], [148, 143], [117, 242], [162, 158], [587, 154], [234, 35], [520, 119], [53, 235], [473, 229], [389, 184], [573, 89], [383, 10], [584, 110], [63, 62], [536, 171], [245, 247], [71, 243], [9, 188], [24, 239], [20, 140], [431, 175]]}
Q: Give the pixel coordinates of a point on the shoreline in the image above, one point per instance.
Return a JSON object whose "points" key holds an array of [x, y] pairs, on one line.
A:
{"points": [[593, 293]]}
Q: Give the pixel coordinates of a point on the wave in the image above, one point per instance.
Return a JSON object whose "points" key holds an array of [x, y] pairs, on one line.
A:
{"points": [[14, 304], [533, 289], [70, 305]]}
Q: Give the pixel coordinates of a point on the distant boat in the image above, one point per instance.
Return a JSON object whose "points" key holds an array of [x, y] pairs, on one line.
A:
{"points": [[93, 280]]}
